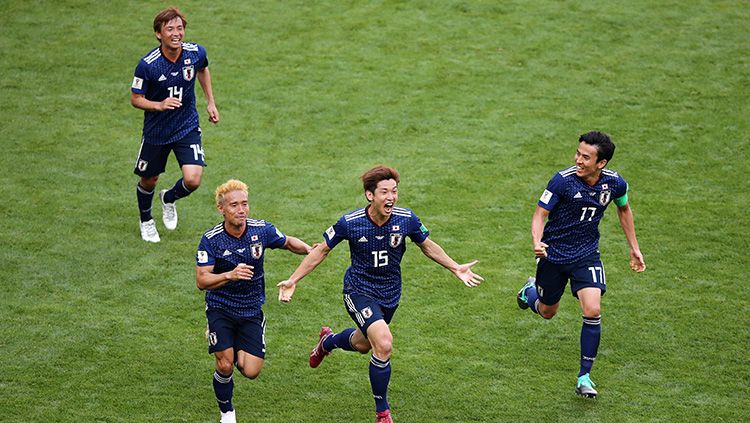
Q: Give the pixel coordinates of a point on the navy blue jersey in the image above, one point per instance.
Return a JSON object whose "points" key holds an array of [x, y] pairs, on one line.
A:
{"points": [[376, 252], [572, 229], [157, 78], [242, 298]]}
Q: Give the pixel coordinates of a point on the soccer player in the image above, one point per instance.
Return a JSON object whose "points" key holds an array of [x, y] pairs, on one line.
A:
{"points": [[567, 246], [372, 284], [164, 88], [230, 270]]}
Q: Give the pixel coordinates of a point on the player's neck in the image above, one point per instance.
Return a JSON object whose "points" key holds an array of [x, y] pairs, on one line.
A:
{"points": [[235, 230], [171, 54], [592, 179], [376, 218]]}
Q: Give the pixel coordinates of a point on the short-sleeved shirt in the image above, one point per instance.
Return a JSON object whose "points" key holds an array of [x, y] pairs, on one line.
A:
{"points": [[158, 78], [572, 228], [376, 251], [241, 298]]}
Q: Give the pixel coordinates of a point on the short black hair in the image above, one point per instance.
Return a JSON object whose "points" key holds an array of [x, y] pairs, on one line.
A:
{"points": [[605, 148]]}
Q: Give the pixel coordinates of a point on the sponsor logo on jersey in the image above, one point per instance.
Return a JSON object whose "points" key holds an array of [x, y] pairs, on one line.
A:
{"points": [[256, 250], [604, 197], [212, 338], [330, 232], [202, 257], [578, 195], [137, 83], [188, 72], [227, 253], [366, 312], [162, 78], [396, 240], [546, 196], [363, 239]]}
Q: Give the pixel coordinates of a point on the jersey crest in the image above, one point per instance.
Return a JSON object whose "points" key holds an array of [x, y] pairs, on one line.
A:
{"points": [[256, 250], [604, 197], [396, 240]]}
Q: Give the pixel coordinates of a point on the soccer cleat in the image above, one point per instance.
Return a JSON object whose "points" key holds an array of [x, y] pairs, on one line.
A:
{"points": [[318, 353], [169, 212], [383, 417], [585, 387], [228, 417], [149, 232], [521, 299]]}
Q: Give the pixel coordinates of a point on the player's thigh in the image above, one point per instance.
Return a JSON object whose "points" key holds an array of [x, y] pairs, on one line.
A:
{"points": [[221, 329], [249, 364], [151, 160], [251, 336], [365, 311], [588, 273], [189, 150], [551, 279]]}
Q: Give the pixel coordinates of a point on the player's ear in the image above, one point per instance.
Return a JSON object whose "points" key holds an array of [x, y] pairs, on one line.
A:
{"points": [[601, 163], [369, 196]]}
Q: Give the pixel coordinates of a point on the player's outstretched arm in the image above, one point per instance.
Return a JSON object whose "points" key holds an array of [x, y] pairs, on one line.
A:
{"points": [[462, 271], [309, 263], [537, 230], [296, 245], [204, 78], [628, 226], [205, 279]]}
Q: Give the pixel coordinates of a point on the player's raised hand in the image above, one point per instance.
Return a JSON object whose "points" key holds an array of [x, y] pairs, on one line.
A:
{"points": [[242, 271], [636, 261], [540, 249], [286, 290], [467, 276]]}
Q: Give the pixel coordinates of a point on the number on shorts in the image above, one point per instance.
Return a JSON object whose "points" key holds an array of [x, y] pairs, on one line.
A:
{"points": [[598, 270]]}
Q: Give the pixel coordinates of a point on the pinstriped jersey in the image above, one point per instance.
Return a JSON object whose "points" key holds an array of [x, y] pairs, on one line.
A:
{"points": [[576, 208], [242, 298], [157, 78], [376, 251]]}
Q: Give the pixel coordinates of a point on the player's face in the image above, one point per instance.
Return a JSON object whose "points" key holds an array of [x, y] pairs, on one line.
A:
{"points": [[171, 34], [384, 197], [235, 208], [587, 164]]}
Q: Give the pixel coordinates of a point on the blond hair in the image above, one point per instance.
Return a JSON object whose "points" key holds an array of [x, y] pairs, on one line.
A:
{"points": [[227, 187]]}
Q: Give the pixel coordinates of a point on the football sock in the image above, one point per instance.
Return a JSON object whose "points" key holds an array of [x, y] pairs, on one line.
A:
{"points": [[145, 198], [591, 332], [380, 375], [532, 298], [179, 190], [223, 388], [341, 340]]}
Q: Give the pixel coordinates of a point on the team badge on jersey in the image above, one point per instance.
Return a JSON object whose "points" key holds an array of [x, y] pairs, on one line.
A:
{"points": [[604, 197], [396, 240], [366, 312], [256, 250], [188, 72]]}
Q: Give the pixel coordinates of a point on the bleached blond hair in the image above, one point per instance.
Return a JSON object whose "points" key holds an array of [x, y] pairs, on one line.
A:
{"points": [[227, 187]]}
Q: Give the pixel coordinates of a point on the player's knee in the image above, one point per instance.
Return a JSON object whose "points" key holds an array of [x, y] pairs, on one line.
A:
{"points": [[225, 367], [249, 372], [592, 311], [547, 313], [192, 182], [384, 348], [149, 183]]}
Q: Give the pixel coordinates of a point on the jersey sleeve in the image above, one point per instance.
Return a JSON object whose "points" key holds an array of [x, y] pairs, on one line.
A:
{"points": [[205, 254], [202, 58], [274, 237], [621, 192], [336, 233], [417, 230], [552, 194], [140, 79]]}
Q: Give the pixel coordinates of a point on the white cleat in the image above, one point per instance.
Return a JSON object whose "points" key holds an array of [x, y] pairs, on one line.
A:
{"points": [[149, 232], [169, 212], [228, 417]]}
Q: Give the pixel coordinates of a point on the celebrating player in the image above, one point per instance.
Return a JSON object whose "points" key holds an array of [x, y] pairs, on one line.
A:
{"points": [[567, 247], [164, 87], [372, 284], [230, 269]]}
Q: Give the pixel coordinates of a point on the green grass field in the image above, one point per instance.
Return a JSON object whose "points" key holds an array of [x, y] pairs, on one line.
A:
{"points": [[477, 104]]}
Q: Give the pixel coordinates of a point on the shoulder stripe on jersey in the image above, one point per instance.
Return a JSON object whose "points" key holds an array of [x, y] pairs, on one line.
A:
{"points": [[215, 230], [402, 210], [402, 214], [152, 56], [355, 215], [609, 172], [255, 222], [190, 46], [567, 172]]}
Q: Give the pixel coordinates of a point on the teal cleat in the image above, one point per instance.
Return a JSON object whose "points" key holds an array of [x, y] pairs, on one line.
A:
{"points": [[585, 387], [521, 299]]}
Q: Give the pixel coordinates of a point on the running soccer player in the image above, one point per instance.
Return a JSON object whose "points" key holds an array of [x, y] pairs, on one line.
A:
{"points": [[372, 284], [230, 269], [164, 88], [567, 247]]}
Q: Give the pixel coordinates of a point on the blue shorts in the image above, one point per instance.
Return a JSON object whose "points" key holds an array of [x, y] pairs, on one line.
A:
{"points": [[366, 311], [226, 331], [551, 278], [152, 159]]}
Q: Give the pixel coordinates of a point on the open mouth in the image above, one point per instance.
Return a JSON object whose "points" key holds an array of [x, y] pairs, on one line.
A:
{"points": [[388, 207]]}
